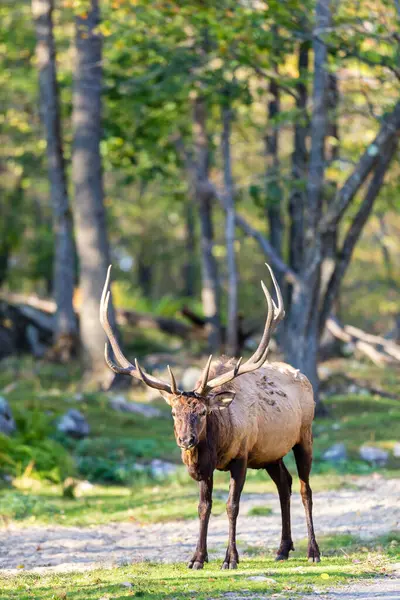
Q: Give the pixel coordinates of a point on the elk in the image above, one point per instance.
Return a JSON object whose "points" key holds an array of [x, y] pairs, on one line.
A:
{"points": [[240, 415]]}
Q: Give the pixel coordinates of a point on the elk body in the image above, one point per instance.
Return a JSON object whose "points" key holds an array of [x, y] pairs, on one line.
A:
{"points": [[239, 416]]}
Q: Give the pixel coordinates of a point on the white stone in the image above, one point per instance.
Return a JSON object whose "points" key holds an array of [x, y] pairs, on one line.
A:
{"points": [[121, 404], [74, 424], [374, 455], [335, 453], [7, 423]]}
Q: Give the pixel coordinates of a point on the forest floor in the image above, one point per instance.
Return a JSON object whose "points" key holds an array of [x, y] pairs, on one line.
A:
{"points": [[356, 528], [366, 511], [128, 534]]}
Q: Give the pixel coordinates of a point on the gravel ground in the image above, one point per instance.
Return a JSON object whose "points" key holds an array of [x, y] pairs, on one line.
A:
{"points": [[368, 511]]}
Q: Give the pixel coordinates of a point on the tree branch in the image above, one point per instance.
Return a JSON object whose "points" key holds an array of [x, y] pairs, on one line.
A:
{"points": [[390, 127], [355, 230]]}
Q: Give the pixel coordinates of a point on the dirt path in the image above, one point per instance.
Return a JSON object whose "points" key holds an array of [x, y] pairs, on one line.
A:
{"points": [[369, 511]]}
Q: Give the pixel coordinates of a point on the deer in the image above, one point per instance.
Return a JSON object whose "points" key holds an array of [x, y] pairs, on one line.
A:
{"points": [[240, 415]]}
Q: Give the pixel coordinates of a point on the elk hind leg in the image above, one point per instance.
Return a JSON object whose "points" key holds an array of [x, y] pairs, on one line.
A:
{"points": [[303, 455], [283, 481]]}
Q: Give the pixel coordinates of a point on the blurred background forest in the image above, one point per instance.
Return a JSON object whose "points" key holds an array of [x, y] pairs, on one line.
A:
{"points": [[188, 143]]}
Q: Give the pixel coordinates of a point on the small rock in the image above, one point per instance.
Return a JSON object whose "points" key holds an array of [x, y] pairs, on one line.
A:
{"points": [[324, 372], [138, 467], [127, 584], [74, 424], [189, 378], [7, 423], [262, 578], [82, 487], [161, 469], [374, 455], [121, 404], [335, 453], [396, 450]]}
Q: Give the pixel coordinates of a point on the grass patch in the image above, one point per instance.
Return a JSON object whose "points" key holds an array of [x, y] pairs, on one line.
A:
{"points": [[257, 575], [260, 511]]}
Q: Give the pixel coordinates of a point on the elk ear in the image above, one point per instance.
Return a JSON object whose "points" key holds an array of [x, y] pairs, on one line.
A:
{"points": [[221, 400], [167, 397]]}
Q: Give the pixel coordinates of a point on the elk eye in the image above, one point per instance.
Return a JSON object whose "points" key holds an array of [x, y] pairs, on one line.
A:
{"points": [[203, 413], [173, 413]]}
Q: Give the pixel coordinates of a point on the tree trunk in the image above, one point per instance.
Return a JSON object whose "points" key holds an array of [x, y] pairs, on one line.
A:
{"points": [[332, 150], [189, 266], [90, 221], [65, 335], [4, 260], [204, 197], [229, 199], [299, 164], [144, 273], [302, 335], [273, 187]]}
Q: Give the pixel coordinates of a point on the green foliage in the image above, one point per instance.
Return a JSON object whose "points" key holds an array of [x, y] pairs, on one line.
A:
{"points": [[32, 449], [260, 511]]}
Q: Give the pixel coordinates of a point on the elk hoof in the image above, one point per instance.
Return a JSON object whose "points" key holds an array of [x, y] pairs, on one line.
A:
{"points": [[229, 565], [313, 555], [195, 564], [314, 559], [280, 557]]}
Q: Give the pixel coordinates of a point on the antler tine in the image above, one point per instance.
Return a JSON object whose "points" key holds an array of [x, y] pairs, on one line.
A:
{"points": [[154, 382], [104, 303], [204, 378], [112, 365], [280, 309], [239, 362], [173, 381], [275, 314], [125, 367]]}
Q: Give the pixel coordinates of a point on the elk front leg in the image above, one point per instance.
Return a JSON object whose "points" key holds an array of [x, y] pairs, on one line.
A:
{"points": [[205, 503], [238, 476]]}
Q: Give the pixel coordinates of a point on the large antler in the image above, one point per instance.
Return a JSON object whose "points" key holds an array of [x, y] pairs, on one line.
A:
{"points": [[275, 315], [125, 367]]}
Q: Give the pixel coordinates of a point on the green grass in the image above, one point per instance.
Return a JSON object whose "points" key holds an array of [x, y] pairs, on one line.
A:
{"points": [[345, 559], [260, 511]]}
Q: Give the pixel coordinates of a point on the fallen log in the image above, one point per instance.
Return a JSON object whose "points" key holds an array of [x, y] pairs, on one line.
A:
{"points": [[377, 348], [40, 313]]}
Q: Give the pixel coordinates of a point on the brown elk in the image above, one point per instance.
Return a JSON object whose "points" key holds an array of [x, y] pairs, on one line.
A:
{"points": [[239, 416]]}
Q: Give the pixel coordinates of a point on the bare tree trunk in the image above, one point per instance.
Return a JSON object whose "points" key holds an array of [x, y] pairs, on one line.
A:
{"points": [[273, 187], [4, 260], [144, 273], [65, 334], [332, 150], [302, 337], [90, 221], [229, 199], [204, 197], [189, 266], [299, 164]]}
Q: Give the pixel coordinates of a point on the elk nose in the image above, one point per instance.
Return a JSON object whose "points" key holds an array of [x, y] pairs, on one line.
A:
{"points": [[187, 442]]}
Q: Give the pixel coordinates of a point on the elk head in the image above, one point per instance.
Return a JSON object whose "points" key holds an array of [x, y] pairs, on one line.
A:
{"points": [[190, 408]]}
